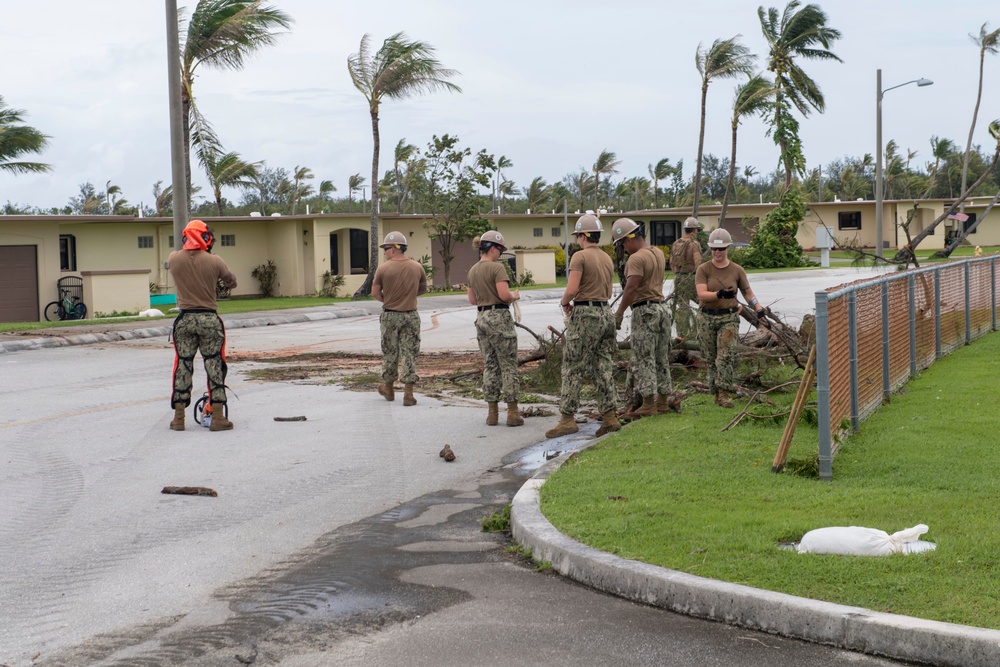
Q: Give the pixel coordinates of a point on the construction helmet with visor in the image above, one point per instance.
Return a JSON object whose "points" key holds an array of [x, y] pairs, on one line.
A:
{"points": [[720, 238], [394, 239], [588, 224], [623, 228]]}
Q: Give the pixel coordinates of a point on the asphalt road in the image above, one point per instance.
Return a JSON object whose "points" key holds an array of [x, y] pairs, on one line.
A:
{"points": [[343, 539]]}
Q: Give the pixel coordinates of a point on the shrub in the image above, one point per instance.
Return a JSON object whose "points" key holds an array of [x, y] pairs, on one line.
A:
{"points": [[331, 283], [267, 276], [774, 245]]}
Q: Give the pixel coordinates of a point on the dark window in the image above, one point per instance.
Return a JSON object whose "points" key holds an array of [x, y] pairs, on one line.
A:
{"points": [[170, 241], [557, 231], [968, 223], [359, 251], [334, 255], [145, 241], [229, 239], [849, 220], [663, 232], [67, 252], [538, 231]]}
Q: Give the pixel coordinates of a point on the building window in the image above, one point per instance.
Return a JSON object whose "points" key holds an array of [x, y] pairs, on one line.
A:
{"points": [[538, 231], [557, 231], [228, 239], [849, 220], [663, 232], [145, 241], [67, 252], [968, 223]]}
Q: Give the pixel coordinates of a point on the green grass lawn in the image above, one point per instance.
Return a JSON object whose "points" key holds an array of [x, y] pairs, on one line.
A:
{"points": [[674, 491]]}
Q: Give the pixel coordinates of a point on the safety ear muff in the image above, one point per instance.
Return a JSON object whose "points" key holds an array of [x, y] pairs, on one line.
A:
{"points": [[208, 237]]}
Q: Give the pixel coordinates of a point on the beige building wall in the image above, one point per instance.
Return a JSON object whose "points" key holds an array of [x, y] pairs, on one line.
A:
{"points": [[541, 264], [107, 292], [43, 233]]}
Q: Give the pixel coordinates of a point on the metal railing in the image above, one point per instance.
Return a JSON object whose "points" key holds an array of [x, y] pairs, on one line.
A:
{"points": [[874, 335]]}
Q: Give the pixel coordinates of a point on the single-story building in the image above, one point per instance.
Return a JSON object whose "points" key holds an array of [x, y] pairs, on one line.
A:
{"points": [[120, 260]]}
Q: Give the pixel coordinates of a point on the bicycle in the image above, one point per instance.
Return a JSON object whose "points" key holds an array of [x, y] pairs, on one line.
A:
{"points": [[66, 308]]}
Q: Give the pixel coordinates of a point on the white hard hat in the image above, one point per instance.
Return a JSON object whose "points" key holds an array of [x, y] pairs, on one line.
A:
{"points": [[720, 238], [692, 223]]}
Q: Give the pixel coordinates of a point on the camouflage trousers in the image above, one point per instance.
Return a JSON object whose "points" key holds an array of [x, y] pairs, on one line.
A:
{"points": [[589, 352], [650, 336], [193, 333], [498, 343], [400, 342], [718, 336], [684, 315]]}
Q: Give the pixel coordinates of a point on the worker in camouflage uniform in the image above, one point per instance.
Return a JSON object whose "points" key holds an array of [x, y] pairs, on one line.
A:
{"points": [[718, 282], [489, 291], [198, 328], [398, 280], [589, 342], [650, 333], [685, 257]]}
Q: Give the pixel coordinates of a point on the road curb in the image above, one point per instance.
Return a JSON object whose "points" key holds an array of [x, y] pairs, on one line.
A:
{"points": [[154, 331], [853, 628]]}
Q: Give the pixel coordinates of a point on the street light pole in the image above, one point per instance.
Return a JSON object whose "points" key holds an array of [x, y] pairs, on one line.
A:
{"points": [[879, 93]]}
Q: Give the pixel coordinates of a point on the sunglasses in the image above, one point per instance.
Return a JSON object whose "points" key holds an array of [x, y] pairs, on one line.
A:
{"points": [[719, 249]]}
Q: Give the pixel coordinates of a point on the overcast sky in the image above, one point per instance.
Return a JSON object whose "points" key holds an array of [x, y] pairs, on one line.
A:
{"points": [[549, 84]]}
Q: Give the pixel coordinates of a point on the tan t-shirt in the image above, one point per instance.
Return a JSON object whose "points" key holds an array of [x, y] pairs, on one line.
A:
{"points": [[598, 269], [196, 273], [400, 281], [649, 264], [731, 277], [483, 278]]}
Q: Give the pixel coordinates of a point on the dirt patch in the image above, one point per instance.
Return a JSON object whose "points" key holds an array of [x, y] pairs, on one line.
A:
{"points": [[438, 372]]}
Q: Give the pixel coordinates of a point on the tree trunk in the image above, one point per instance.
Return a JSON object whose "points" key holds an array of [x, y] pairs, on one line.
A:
{"points": [[186, 124], [732, 177], [701, 147], [906, 253], [366, 286], [972, 129], [946, 252]]}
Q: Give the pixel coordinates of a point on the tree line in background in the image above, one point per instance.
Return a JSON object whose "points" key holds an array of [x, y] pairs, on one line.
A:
{"points": [[223, 34]]}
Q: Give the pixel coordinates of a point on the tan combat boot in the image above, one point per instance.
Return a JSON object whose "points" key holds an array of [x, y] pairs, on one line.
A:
{"points": [[177, 423], [611, 423], [493, 416], [566, 426], [387, 391], [723, 399], [408, 394], [219, 420], [514, 417], [666, 403], [648, 408]]}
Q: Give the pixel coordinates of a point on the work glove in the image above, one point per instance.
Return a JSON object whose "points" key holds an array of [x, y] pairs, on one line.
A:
{"points": [[726, 293], [762, 318]]}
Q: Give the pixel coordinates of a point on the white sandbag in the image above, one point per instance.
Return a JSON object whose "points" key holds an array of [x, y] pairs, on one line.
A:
{"points": [[152, 312], [858, 541]]}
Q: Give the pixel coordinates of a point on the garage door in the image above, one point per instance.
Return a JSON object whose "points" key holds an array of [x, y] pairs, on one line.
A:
{"points": [[18, 284]]}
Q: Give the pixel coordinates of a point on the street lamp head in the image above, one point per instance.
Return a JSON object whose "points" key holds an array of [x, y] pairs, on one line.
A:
{"points": [[924, 82]]}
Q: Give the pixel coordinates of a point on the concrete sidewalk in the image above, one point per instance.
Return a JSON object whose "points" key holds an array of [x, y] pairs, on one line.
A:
{"points": [[852, 628]]}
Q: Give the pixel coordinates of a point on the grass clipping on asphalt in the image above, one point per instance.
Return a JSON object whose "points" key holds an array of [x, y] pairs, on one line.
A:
{"points": [[676, 492]]}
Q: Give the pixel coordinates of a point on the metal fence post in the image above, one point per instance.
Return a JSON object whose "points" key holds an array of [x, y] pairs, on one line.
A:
{"points": [[967, 273], [852, 351], [911, 288], [993, 294], [937, 313], [823, 387], [886, 383]]}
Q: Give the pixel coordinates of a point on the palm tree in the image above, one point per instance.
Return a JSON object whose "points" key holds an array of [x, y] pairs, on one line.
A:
{"points": [[607, 164], [660, 172], [752, 97], [226, 170], [17, 139], [796, 35], [398, 70], [354, 183], [221, 34], [326, 188], [577, 185], [988, 42], [725, 59], [942, 150], [402, 155], [163, 199], [537, 194]]}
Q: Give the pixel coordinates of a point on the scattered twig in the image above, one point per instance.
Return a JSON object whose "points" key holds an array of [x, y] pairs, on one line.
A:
{"points": [[300, 418]]}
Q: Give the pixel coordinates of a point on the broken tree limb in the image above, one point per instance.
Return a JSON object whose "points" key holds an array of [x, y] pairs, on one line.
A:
{"points": [[793, 417], [190, 490]]}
